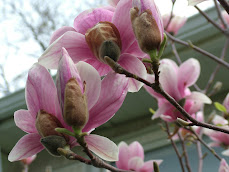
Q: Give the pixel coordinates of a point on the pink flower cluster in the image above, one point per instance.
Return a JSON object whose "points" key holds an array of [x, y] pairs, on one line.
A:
{"points": [[175, 80]]}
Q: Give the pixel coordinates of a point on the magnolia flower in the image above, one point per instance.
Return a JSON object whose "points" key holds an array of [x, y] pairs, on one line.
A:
{"points": [[175, 81], [147, 24], [219, 138], [175, 24], [92, 30], [41, 95], [194, 2], [132, 158], [223, 166]]}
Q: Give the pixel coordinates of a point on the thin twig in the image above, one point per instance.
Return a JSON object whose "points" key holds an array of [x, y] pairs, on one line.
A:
{"points": [[200, 155], [225, 5], [175, 147], [157, 87], [95, 161], [212, 77], [185, 153], [213, 57], [205, 144], [179, 61], [211, 21], [220, 14], [170, 17]]}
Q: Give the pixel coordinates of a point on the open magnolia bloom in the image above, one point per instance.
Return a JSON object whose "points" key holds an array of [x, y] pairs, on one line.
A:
{"points": [[132, 158], [219, 138], [175, 81], [194, 2], [41, 96], [175, 24], [97, 33]]}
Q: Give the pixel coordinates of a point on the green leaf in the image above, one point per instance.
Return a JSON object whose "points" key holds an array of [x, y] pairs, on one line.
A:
{"points": [[220, 107]]}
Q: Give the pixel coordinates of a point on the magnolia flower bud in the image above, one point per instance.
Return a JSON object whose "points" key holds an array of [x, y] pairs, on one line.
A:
{"points": [[75, 105], [104, 39], [46, 124], [145, 29], [52, 143]]}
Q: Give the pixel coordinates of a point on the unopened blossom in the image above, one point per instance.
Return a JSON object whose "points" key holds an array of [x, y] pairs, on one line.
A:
{"points": [[175, 24], [175, 80], [41, 95], [194, 2], [92, 30], [147, 24], [223, 166], [132, 158]]}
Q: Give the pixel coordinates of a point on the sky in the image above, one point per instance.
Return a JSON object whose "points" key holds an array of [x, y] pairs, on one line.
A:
{"points": [[26, 53]]}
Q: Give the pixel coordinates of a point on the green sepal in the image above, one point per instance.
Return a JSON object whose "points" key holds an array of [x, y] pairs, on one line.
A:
{"points": [[65, 131], [162, 46]]}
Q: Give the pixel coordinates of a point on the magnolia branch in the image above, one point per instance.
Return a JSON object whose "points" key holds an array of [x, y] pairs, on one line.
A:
{"points": [[184, 153], [174, 147], [157, 87], [225, 5], [213, 57]]}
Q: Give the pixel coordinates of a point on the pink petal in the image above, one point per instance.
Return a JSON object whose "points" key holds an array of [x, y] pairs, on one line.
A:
{"points": [[135, 50], [25, 121], [58, 33], [135, 163], [223, 166], [198, 100], [226, 152], [90, 18], [102, 68], [219, 120], [148, 166], [66, 71], [93, 82], [136, 149], [226, 102], [123, 156], [121, 20], [27, 146], [161, 112], [113, 2], [168, 80], [40, 91], [103, 147], [135, 66], [113, 92], [73, 42], [188, 74]]}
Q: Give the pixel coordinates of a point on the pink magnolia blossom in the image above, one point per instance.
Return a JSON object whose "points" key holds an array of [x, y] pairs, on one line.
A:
{"points": [[29, 160], [175, 24], [104, 99], [132, 158], [73, 40], [223, 166], [218, 138], [175, 81], [226, 18], [194, 2]]}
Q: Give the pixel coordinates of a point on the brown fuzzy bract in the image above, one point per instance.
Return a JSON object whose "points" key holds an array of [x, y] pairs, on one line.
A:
{"points": [[75, 105], [103, 31], [146, 30], [46, 124]]}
